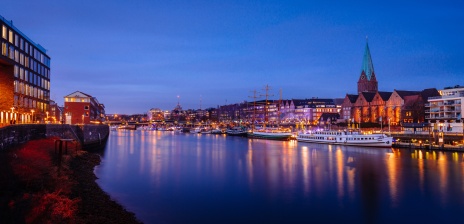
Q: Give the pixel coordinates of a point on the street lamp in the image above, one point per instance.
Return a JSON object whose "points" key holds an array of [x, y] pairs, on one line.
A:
{"points": [[12, 114], [381, 128], [32, 115], [389, 126]]}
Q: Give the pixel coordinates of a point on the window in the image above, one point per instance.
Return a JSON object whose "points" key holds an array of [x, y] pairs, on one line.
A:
{"points": [[4, 31], [10, 36], [11, 53], [16, 71], [4, 49], [86, 107]]}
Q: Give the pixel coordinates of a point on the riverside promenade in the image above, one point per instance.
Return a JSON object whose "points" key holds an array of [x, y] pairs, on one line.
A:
{"points": [[40, 185], [448, 142]]}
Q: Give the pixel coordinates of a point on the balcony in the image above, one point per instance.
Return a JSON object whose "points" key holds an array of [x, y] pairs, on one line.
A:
{"points": [[456, 95]]}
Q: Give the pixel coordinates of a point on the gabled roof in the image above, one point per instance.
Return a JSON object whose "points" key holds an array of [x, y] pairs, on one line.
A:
{"points": [[403, 93], [410, 101], [431, 92], [79, 94], [385, 95], [338, 101], [352, 97], [367, 66], [369, 96]]}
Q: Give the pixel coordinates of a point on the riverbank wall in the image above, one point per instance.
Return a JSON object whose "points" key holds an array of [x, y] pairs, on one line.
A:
{"points": [[450, 142], [88, 136]]}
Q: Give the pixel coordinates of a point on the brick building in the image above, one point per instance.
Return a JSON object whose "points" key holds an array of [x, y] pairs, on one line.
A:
{"points": [[55, 114], [373, 106], [82, 108]]}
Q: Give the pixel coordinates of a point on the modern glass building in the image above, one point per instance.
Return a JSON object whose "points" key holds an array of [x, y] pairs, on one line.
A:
{"points": [[24, 77]]}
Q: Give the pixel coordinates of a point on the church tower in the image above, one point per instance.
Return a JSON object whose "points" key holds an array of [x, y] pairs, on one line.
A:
{"points": [[367, 81]]}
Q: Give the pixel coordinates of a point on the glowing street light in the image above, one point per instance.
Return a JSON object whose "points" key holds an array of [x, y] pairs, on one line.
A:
{"points": [[32, 115], [389, 126], [12, 113]]}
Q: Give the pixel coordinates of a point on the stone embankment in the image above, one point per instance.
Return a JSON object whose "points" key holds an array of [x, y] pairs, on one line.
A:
{"points": [[450, 142], [88, 136]]}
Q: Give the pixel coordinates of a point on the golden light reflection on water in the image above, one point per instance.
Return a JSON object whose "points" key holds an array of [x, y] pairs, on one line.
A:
{"points": [[443, 174], [392, 173], [340, 173], [305, 172], [289, 168]]}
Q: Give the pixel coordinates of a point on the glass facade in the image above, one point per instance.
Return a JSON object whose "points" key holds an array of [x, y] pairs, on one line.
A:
{"points": [[31, 69]]}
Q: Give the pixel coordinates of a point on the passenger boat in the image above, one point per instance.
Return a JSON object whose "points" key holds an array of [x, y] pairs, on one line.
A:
{"points": [[195, 130], [217, 131], [237, 131], [271, 134], [205, 131], [128, 127], [348, 137]]}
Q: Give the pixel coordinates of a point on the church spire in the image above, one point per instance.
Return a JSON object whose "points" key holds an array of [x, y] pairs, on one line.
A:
{"points": [[367, 81], [367, 66]]}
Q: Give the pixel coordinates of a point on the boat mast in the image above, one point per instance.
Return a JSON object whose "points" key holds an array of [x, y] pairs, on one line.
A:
{"points": [[278, 108], [254, 109], [266, 88]]}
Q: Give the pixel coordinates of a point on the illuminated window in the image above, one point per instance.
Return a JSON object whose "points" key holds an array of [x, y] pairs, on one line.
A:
{"points": [[10, 36], [16, 71], [4, 31], [16, 56], [4, 49]]}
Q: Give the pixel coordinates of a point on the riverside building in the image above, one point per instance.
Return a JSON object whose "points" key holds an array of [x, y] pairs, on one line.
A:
{"points": [[398, 108], [444, 112], [24, 77], [82, 108]]}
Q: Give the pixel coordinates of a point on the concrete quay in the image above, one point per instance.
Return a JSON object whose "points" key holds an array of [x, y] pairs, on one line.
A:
{"points": [[451, 142], [87, 136]]}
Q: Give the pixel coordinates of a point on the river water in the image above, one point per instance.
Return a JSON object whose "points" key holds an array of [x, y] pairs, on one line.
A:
{"points": [[167, 177]]}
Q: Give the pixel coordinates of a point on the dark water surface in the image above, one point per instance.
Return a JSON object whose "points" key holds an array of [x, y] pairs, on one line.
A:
{"points": [[167, 177]]}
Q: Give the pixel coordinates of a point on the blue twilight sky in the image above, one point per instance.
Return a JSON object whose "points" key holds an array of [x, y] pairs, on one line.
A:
{"points": [[141, 54]]}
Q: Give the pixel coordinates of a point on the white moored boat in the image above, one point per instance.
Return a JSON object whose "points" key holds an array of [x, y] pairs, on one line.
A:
{"points": [[272, 134], [355, 138]]}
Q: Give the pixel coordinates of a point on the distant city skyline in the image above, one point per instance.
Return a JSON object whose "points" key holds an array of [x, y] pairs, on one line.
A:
{"points": [[133, 56]]}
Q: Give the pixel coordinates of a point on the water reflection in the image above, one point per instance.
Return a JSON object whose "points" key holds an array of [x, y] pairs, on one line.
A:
{"points": [[206, 178]]}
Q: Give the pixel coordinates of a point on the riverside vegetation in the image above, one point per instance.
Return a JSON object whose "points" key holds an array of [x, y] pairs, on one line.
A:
{"points": [[39, 186]]}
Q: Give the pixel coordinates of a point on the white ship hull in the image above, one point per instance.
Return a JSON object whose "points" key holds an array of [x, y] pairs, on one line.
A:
{"points": [[270, 134], [346, 138]]}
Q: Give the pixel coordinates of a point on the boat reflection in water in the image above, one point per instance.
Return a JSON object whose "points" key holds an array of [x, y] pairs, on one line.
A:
{"points": [[169, 177]]}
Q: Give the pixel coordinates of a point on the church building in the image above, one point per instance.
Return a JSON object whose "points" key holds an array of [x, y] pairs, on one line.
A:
{"points": [[372, 106]]}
